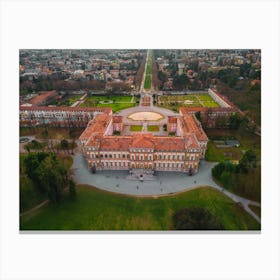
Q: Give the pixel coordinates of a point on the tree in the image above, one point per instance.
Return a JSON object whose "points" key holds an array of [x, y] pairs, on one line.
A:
{"points": [[32, 162], [47, 173], [195, 219], [51, 178], [180, 82], [64, 144], [234, 121], [249, 160], [162, 76]]}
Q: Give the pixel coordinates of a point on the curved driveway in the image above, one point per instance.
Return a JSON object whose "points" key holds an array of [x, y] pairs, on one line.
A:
{"points": [[163, 184]]}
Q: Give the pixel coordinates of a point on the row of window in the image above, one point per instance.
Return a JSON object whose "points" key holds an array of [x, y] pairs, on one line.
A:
{"points": [[124, 156], [116, 164], [158, 165], [170, 157], [141, 150], [169, 165], [143, 157]]}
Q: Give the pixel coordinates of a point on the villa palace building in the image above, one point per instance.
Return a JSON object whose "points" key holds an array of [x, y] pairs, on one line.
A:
{"points": [[180, 152], [106, 145]]}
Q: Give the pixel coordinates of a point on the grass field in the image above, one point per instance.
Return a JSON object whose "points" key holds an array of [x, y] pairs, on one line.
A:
{"points": [[116, 102], [247, 141], [147, 83], [98, 210], [154, 128], [136, 128], [220, 154], [67, 100], [174, 102]]}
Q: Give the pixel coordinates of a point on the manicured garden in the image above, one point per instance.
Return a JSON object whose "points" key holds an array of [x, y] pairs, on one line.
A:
{"points": [[67, 100], [136, 128], [116, 102], [174, 102], [150, 128], [94, 209], [147, 84], [153, 128]]}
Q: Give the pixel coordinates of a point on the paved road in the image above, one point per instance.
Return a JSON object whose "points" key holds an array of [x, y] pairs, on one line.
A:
{"points": [[165, 182]]}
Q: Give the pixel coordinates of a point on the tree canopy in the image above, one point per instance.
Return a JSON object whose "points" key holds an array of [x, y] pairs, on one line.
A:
{"points": [[243, 178], [195, 219], [48, 174]]}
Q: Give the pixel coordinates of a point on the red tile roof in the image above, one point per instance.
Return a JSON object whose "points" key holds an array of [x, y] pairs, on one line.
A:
{"points": [[142, 141], [192, 142], [190, 125], [116, 143], [169, 144], [97, 126]]}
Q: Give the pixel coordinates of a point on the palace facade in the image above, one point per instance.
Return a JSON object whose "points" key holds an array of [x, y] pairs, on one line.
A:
{"points": [[182, 151]]}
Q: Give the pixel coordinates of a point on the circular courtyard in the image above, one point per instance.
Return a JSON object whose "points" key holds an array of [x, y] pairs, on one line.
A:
{"points": [[147, 116]]}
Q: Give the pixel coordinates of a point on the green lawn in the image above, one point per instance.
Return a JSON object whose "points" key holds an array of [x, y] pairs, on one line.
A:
{"points": [[116, 102], [117, 106], [136, 128], [210, 104], [98, 210], [204, 97], [174, 102], [67, 100], [247, 140], [147, 84], [153, 128], [220, 154]]}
